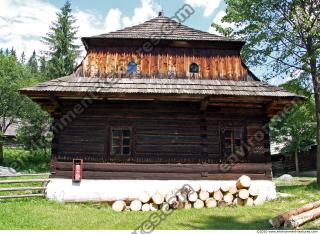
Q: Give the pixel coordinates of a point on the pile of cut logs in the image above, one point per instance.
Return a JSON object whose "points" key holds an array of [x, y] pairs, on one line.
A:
{"points": [[297, 217], [241, 193]]}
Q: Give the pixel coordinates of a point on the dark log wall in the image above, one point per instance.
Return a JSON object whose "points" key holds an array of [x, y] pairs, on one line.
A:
{"points": [[163, 133], [165, 62]]}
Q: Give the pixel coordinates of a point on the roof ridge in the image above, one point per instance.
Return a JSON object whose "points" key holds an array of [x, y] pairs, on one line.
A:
{"points": [[152, 27]]}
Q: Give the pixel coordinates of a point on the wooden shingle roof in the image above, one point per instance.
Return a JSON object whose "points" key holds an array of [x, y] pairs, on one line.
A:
{"points": [[163, 28], [84, 85]]}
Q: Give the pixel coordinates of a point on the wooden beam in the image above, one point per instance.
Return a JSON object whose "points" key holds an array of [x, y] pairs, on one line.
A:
{"points": [[204, 104]]}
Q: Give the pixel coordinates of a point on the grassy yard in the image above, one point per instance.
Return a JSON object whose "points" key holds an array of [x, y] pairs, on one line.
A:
{"points": [[43, 214]]}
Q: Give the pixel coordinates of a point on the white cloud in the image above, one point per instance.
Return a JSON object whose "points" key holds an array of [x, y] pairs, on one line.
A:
{"points": [[218, 20], [147, 10], [113, 20], [23, 23], [208, 5]]}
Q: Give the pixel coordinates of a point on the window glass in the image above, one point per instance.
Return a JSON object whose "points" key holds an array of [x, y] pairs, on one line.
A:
{"points": [[120, 142], [132, 67], [232, 141], [194, 68]]}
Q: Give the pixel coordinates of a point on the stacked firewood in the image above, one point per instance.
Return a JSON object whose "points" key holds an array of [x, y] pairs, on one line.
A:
{"points": [[241, 193], [297, 217]]}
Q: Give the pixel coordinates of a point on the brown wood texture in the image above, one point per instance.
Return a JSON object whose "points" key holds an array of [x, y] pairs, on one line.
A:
{"points": [[165, 62], [155, 175], [169, 140]]}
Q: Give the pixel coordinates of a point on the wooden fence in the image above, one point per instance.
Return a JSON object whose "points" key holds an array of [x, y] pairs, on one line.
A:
{"points": [[18, 191]]}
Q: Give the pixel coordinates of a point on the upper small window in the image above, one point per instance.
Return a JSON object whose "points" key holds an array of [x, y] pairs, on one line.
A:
{"points": [[132, 67], [120, 141], [194, 68]]}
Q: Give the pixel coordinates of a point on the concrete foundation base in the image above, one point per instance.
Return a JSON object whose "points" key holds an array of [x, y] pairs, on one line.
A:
{"points": [[64, 190]]}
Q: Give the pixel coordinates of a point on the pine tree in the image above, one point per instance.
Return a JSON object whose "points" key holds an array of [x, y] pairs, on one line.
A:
{"points": [[7, 52], [33, 63], [22, 58], [63, 51], [1, 51], [43, 65], [13, 52]]}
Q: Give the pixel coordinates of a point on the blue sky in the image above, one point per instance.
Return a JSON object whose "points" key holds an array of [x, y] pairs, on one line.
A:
{"points": [[23, 23]]}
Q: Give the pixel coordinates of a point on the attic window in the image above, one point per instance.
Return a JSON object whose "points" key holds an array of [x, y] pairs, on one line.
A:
{"points": [[194, 68], [132, 67]]}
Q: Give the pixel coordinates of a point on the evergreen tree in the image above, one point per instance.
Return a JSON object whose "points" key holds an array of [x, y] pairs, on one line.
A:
{"points": [[13, 52], [22, 58], [63, 51], [7, 52], [1, 51], [43, 65], [33, 63]]}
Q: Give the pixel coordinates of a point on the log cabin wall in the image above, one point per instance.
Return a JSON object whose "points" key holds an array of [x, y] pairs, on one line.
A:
{"points": [[165, 62], [164, 134]]}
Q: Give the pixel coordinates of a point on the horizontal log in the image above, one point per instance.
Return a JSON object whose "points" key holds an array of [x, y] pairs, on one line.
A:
{"points": [[21, 196], [252, 168], [22, 189], [154, 176]]}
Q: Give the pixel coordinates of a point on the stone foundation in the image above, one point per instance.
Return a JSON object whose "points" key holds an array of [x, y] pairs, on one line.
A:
{"points": [[64, 190]]}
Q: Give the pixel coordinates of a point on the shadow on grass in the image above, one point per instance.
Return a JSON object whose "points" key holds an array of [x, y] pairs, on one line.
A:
{"points": [[312, 187], [226, 223]]}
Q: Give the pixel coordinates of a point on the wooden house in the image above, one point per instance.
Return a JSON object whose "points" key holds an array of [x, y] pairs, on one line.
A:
{"points": [[150, 105]]}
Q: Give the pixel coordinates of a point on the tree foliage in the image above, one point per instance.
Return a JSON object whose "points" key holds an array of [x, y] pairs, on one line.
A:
{"points": [[63, 51], [278, 33], [296, 129], [283, 37], [18, 109]]}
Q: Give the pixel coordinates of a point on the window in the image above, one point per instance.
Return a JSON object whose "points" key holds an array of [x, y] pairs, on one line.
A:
{"points": [[194, 68], [233, 139], [120, 141], [132, 67]]}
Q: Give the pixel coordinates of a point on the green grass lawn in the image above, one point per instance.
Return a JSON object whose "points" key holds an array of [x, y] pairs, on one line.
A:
{"points": [[42, 214]]}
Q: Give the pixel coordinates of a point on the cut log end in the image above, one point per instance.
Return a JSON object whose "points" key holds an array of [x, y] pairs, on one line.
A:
{"points": [[192, 196], [228, 198], [198, 204], [119, 206], [157, 198], [218, 195], [211, 203], [243, 182], [144, 197], [203, 195], [145, 207], [135, 205], [243, 194]]}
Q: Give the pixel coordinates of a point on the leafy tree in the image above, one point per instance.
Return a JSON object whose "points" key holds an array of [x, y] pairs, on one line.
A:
{"points": [[34, 133], [281, 34], [12, 105], [33, 63], [296, 129], [63, 51]]}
